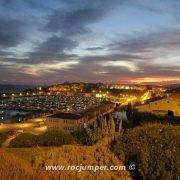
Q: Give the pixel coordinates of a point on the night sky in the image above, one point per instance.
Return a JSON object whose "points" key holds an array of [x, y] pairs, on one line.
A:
{"points": [[120, 41]]}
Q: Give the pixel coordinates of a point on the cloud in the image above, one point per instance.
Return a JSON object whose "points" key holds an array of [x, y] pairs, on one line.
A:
{"points": [[67, 40], [166, 39], [74, 19], [5, 53], [40, 68], [95, 48], [11, 32], [148, 5], [53, 48], [113, 57], [131, 66]]}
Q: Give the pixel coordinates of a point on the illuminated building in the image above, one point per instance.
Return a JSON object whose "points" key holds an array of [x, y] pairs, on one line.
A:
{"points": [[73, 122], [162, 106], [64, 121]]}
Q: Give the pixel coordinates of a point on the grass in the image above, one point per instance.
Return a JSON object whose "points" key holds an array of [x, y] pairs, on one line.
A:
{"points": [[37, 158], [13, 167]]}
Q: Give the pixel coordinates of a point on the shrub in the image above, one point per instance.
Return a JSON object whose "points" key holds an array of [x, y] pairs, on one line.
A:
{"points": [[81, 136], [24, 140], [3, 137], [117, 147], [153, 148], [55, 138], [49, 138]]}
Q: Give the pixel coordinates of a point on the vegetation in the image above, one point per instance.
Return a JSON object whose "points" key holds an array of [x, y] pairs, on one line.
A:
{"points": [[117, 148], [152, 147], [55, 138], [154, 150], [13, 167], [102, 127], [3, 136], [20, 117], [24, 140], [49, 138], [38, 158]]}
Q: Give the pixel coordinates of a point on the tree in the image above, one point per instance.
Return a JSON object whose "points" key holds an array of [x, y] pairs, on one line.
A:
{"points": [[111, 126], [119, 125], [104, 127], [154, 149], [95, 124]]}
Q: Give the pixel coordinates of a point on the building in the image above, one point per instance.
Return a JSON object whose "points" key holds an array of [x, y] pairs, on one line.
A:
{"points": [[66, 88], [163, 106], [73, 122], [120, 114], [64, 121]]}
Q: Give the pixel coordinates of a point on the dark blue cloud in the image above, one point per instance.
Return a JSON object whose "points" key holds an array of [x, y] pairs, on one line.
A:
{"points": [[54, 47], [34, 32], [11, 32], [164, 40], [75, 18]]}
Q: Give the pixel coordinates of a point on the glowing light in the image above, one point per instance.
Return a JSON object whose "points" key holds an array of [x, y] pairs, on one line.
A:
{"points": [[145, 96], [156, 80], [99, 95]]}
